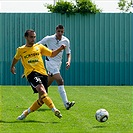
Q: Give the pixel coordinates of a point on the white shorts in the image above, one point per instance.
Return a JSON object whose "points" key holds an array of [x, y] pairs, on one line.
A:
{"points": [[52, 67]]}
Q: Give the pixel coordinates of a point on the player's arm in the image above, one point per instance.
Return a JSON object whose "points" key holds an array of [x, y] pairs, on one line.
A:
{"points": [[57, 51], [68, 61], [47, 52], [14, 62]]}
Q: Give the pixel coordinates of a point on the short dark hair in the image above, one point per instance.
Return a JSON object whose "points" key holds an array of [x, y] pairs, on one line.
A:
{"points": [[59, 27], [27, 32]]}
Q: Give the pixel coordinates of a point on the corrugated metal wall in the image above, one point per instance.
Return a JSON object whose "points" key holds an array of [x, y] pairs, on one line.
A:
{"points": [[101, 46]]}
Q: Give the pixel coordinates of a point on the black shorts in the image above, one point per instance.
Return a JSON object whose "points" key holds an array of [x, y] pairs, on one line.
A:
{"points": [[36, 78]]}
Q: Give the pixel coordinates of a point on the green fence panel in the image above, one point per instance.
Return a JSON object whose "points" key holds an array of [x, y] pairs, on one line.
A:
{"points": [[101, 44]]}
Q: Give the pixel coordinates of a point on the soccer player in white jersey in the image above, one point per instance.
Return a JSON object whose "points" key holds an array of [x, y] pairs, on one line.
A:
{"points": [[53, 64]]}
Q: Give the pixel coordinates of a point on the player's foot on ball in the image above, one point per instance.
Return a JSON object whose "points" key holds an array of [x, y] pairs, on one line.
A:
{"points": [[69, 105], [58, 114], [22, 116]]}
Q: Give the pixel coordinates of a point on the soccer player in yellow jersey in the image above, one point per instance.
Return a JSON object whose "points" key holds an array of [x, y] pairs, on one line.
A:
{"points": [[35, 72]]}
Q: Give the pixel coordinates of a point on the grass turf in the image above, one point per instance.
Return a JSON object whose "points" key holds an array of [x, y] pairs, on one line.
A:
{"points": [[79, 119]]}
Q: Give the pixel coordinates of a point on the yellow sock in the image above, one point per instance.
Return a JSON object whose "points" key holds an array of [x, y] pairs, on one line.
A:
{"points": [[36, 105], [47, 101]]}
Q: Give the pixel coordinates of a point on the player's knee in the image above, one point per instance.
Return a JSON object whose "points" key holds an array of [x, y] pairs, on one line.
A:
{"points": [[40, 88], [60, 82]]}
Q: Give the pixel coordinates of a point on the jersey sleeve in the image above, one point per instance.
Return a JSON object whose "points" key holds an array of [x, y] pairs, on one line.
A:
{"points": [[43, 41], [67, 49], [45, 51], [17, 55]]}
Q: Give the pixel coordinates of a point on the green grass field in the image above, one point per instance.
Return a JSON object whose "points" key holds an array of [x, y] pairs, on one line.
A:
{"points": [[79, 119]]}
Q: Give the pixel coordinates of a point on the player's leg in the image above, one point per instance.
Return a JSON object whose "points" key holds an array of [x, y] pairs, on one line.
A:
{"points": [[53, 71], [62, 91], [36, 105], [43, 97], [50, 80]]}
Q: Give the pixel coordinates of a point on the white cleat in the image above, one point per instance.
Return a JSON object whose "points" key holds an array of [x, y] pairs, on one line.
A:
{"points": [[22, 116]]}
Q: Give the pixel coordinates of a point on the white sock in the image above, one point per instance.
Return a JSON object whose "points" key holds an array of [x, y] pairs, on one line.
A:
{"points": [[54, 109], [29, 110], [63, 95]]}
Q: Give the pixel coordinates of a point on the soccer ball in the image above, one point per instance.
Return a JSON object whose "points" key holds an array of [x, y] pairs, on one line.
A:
{"points": [[102, 115]]}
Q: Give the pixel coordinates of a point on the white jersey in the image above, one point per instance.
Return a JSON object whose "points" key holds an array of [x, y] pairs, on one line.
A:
{"points": [[52, 43]]}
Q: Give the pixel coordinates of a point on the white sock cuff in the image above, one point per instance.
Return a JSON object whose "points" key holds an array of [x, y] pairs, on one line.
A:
{"points": [[29, 110], [54, 109], [60, 86]]}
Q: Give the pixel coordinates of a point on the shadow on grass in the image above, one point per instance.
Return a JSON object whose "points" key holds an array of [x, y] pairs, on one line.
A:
{"points": [[42, 109], [98, 126], [26, 121]]}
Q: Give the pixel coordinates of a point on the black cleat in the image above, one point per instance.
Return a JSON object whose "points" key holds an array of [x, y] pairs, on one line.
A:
{"points": [[69, 105]]}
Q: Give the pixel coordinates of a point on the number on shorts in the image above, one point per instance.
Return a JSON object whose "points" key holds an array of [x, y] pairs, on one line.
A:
{"points": [[37, 79]]}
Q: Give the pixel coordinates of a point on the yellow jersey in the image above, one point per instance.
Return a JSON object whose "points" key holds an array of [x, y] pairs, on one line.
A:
{"points": [[31, 58]]}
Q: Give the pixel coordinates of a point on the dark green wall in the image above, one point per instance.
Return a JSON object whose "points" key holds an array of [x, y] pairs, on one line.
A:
{"points": [[101, 45]]}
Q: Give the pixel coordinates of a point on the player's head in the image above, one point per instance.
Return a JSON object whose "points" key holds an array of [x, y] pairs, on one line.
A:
{"points": [[30, 37], [59, 31]]}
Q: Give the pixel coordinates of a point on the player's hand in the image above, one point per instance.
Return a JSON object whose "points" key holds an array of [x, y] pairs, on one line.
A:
{"points": [[13, 69], [63, 47], [67, 65]]}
